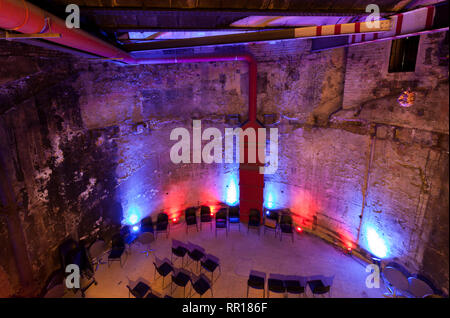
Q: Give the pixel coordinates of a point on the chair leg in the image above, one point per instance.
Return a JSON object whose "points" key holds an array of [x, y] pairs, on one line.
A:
{"points": [[247, 290]]}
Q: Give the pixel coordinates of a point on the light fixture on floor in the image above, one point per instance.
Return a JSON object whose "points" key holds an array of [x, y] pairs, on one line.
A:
{"points": [[349, 247]]}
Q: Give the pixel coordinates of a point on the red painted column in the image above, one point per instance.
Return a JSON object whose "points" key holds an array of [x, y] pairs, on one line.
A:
{"points": [[251, 181]]}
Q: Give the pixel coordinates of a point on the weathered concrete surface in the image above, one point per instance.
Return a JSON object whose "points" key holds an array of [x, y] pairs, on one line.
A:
{"points": [[61, 175], [101, 135]]}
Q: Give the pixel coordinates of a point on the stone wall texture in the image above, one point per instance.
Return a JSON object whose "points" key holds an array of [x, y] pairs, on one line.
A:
{"points": [[87, 143]]}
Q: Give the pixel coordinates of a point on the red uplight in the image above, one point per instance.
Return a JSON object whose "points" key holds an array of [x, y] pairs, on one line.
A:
{"points": [[299, 229], [174, 219]]}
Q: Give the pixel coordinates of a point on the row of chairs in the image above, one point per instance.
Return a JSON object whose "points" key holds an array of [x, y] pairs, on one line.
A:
{"points": [[224, 218], [279, 222], [286, 284], [196, 254], [181, 277]]}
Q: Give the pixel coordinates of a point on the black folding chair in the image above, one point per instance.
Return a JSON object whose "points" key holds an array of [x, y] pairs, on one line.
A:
{"points": [[205, 216], [254, 220], [233, 216], [179, 249], [275, 284], [162, 224], [257, 280], [201, 285], [180, 278], [295, 285], [147, 225], [210, 263], [271, 221], [190, 218], [195, 253], [117, 249], [163, 268], [221, 220], [286, 226], [139, 291], [319, 287]]}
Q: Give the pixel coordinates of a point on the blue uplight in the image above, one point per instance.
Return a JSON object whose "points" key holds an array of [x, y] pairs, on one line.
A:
{"points": [[133, 215], [232, 192], [135, 228], [377, 245], [269, 198]]}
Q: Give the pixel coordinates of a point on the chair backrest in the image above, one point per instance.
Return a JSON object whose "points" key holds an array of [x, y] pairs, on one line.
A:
{"points": [[255, 215], [221, 214], [191, 247], [190, 212], [205, 210], [272, 215], [211, 257], [286, 219], [321, 289], [277, 276], [257, 274], [147, 221], [301, 279], [233, 211], [162, 217], [176, 271]]}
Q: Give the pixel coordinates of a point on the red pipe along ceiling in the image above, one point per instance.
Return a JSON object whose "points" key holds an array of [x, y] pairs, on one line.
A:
{"points": [[24, 17]]}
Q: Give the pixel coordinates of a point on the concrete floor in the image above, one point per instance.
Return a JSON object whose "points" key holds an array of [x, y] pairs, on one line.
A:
{"points": [[239, 253]]}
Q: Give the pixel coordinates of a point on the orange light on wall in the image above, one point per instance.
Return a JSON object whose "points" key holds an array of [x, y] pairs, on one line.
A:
{"points": [[212, 210]]}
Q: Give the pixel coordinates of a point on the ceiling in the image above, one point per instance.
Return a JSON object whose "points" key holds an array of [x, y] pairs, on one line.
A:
{"points": [[126, 22]]}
